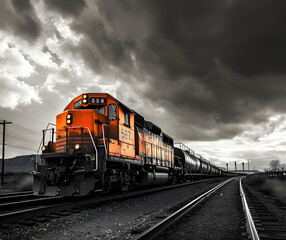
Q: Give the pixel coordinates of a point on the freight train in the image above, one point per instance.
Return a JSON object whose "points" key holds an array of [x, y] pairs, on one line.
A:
{"points": [[102, 145]]}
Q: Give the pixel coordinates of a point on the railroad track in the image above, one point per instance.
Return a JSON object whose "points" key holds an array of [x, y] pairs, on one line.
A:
{"points": [[157, 229], [10, 194], [261, 222], [30, 211], [6, 197], [28, 202], [18, 201]]}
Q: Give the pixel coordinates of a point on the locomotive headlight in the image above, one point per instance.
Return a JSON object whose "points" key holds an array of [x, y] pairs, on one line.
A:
{"points": [[84, 100], [43, 148], [69, 119], [84, 96], [77, 146]]}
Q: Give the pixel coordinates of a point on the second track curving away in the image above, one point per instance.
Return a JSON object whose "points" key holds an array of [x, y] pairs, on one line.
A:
{"points": [[250, 226], [261, 221]]}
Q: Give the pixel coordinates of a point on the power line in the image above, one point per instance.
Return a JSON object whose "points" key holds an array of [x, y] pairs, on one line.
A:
{"points": [[21, 138], [24, 128], [10, 145]]}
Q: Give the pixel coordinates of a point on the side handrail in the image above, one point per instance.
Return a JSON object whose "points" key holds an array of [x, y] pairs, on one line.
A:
{"points": [[184, 147], [104, 143], [37, 155], [249, 220]]}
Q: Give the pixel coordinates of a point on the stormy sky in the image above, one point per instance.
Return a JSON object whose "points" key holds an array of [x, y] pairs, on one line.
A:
{"points": [[209, 73]]}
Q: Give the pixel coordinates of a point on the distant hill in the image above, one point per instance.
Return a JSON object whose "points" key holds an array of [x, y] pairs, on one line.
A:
{"points": [[20, 164]]}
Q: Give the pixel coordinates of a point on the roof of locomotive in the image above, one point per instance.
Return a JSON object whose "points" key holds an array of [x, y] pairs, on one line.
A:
{"points": [[100, 95]]}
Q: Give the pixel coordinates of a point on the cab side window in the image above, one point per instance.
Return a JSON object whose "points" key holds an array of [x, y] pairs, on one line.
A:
{"points": [[112, 112], [127, 118]]}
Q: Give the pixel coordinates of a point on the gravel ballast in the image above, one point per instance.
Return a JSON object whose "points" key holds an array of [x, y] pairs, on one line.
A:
{"points": [[219, 217]]}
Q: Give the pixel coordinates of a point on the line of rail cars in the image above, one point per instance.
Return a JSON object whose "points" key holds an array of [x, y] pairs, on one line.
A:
{"points": [[102, 145]]}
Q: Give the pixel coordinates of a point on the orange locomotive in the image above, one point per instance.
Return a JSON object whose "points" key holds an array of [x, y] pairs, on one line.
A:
{"points": [[102, 145]]}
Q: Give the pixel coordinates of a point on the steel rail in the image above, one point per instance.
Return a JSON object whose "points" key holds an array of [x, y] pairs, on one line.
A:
{"points": [[10, 205], [16, 197], [158, 228], [15, 193], [249, 220]]}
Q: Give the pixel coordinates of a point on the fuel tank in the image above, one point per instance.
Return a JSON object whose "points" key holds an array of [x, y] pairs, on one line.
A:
{"points": [[154, 178]]}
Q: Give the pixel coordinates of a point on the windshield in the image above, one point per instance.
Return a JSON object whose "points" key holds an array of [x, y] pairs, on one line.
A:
{"points": [[100, 110]]}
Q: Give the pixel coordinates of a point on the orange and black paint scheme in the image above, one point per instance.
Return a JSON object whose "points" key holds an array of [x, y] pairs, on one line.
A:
{"points": [[102, 145]]}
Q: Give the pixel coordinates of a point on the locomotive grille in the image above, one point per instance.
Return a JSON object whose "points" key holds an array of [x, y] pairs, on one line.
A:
{"points": [[84, 140]]}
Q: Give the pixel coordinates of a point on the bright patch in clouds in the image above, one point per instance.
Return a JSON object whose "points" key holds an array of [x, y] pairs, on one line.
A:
{"points": [[14, 68], [259, 145], [15, 92], [54, 80], [28, 70], [63, 27], [13, 62]]}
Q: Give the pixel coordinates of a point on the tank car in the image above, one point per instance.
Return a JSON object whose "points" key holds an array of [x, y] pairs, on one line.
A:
{"points": [[194, 165]]}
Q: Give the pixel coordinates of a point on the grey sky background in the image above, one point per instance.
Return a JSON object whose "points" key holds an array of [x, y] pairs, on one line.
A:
{"points": [[209, 73]]}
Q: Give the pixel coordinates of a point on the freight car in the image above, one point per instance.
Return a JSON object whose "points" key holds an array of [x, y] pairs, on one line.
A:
{"points": [[103, 145], [194, 166]]}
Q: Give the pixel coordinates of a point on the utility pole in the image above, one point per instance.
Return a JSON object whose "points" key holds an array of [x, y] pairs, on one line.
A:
{"points": [[3, 149]]}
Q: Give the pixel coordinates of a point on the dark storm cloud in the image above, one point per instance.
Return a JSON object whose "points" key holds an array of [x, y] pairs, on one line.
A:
{"points": [[211, 64], [247, 37], [101, 46], [233, 50], [254, 38], [66, 7], [19, 17]]}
